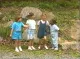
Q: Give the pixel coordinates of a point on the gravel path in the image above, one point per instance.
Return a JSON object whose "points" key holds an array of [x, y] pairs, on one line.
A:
{"points": [[34, 55]]}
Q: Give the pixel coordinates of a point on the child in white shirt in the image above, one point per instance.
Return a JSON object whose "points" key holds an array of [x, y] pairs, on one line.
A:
{"points": [[31, 30], [54, 34]]}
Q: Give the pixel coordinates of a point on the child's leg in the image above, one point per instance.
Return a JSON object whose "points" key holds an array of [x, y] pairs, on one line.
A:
{"points": [[55, 42], [19, 41], [55, 45], [40, 43], [20, 45], [16, 45], [45, 42], [32, 44], [29, 45]]}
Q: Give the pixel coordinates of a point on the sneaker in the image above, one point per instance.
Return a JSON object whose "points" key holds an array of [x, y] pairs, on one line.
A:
{"points": [[46, 47], [29, 48], [20, 48], [33, 48], [16, 49], [56, 49], [39, 47], [52, 48]]}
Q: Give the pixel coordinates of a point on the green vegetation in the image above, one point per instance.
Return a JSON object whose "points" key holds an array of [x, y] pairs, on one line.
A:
{"points": [[5, 32], [42, 4], [8, 49], [64, 12]]}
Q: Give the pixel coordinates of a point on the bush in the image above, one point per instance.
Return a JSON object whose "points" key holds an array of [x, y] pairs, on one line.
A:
{"points": [[4, 32], [41, 3]]}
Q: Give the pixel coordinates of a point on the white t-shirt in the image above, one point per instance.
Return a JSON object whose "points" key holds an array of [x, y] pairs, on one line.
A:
{"points": [[31, 23], [54, 27], [47, 23]]}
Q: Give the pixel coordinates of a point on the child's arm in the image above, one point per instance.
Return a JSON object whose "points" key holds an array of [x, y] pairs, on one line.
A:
{"points": [[12, 27], [11, 32], [56, 27], [26, 26]]}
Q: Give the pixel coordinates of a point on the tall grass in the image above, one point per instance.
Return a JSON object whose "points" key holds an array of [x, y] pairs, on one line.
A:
{"points": [[4, 32], [42, 4]]}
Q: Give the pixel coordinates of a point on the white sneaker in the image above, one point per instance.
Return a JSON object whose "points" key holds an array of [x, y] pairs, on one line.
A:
{"points": [[56, 49], [33, 48], [16, 49], [39, 47], [52, 48], [20, 48], [46, 47], [29, 48]]}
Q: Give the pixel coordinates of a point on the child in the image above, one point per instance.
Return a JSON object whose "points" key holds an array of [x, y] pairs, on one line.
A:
{"points": [[42, 31], [31, 30], [16, 33], [54, 34]]}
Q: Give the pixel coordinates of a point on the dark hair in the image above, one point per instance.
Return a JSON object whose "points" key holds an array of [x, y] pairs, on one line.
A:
{"points": [[17, 18], [52, 22], [30, 15]]}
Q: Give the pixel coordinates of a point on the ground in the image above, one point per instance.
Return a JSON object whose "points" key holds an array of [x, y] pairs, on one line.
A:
{"points": [[7, 52]]}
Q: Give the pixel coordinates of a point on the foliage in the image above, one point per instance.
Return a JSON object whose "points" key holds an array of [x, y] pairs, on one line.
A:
{"points": [[64, 11], [4, 32], [41, 4]]}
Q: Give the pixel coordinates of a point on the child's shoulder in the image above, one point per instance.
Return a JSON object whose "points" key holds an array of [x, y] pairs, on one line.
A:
{"points": [[54, 25], [14, 22]]}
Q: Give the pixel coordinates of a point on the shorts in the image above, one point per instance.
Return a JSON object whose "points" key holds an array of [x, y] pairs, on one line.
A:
{"points": [[31, 34], [17, 35]]}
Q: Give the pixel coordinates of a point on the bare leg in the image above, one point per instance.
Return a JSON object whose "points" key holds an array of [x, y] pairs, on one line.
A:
{"points": [[32, 44], [16, 45], [20, 45], [40, 43], [29, 45], [45, 42], [19, 42]]}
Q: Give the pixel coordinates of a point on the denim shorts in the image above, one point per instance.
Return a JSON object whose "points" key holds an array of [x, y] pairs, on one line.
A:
{"points": [[16, 35], [31, 33]]}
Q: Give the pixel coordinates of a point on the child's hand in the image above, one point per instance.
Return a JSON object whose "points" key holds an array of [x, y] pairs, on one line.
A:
{"points": [[10, 35], [26, 26]]}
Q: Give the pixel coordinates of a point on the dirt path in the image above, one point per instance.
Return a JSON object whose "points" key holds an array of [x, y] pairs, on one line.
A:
{"points": [[38, 54]]}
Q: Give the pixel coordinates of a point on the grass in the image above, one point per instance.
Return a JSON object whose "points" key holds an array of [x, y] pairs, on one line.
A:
{"points": [[64, 17], [64, 12], [9, 49]]}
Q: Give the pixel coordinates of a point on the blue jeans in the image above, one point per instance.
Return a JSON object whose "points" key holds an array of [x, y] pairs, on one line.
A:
{"points": [[54, 37]]}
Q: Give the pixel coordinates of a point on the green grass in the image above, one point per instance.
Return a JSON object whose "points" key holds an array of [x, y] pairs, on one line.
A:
{"points": [[9, 49], [41, 4], [4, 32], [64, 12]]}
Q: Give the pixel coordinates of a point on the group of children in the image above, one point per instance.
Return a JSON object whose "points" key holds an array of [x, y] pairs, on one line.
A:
{"points": [[16, 32]]}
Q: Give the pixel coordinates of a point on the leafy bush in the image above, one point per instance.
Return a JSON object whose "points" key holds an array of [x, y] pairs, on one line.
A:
{"points": [[42, 4], [4, 32]]}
